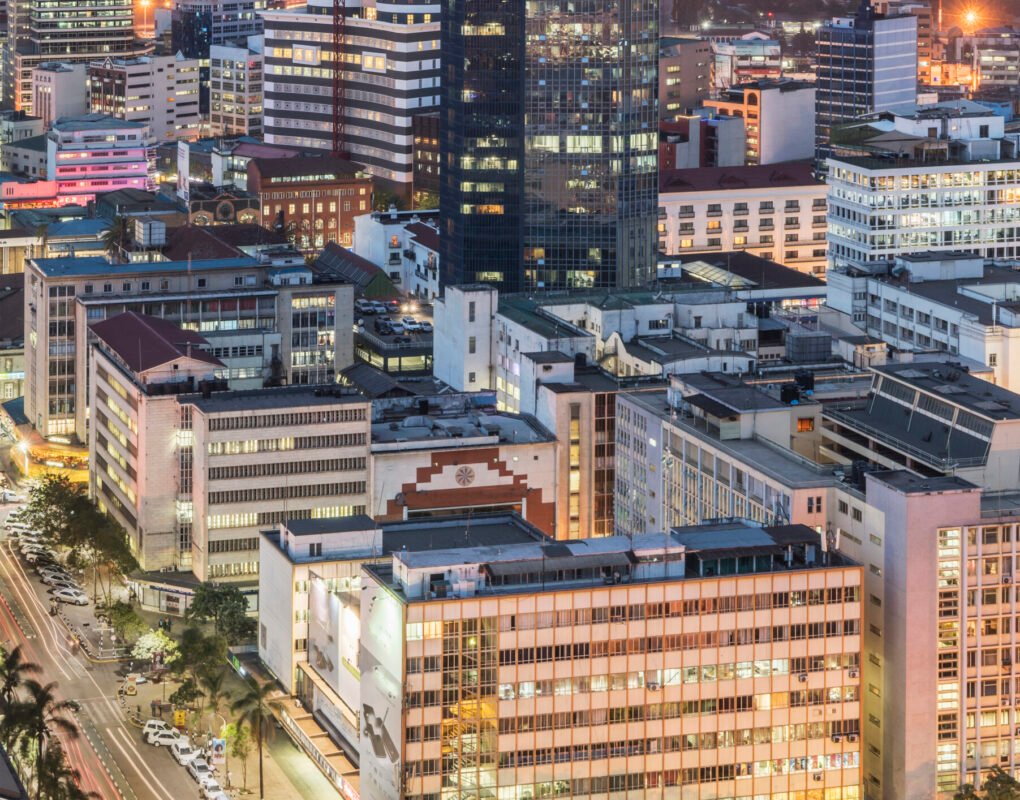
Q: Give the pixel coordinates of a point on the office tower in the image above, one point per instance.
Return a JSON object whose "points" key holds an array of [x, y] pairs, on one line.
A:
{"points": [[391, 74], [927, 25], [685, 75], [589, 116], [159, 91], [235, 88], [482, 143], [608, 667], [52, 30], [866, 63]]}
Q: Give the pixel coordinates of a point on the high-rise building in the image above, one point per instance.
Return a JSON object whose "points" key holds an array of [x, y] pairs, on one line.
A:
{"points": [[591, 184], [482, 143], [159, 91], [587, 108], [866, 63], [52, 30], [235, 88], [391, 73]]}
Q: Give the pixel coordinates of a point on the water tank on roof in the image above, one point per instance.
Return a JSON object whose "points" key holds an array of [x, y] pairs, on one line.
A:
{"points": [[150, 232]]}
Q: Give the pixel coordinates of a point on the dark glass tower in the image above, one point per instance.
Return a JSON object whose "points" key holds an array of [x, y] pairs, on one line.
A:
{"points": [[549, 143], [591, 149], [482, 142]]}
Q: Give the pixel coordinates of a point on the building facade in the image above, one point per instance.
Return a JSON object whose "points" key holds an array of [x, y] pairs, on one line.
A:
{"points": [[313, 200], [98, 153], [866, 63], [235, 89], [476, 693], [59, 89], [685, 75], [750, 58], [776, 212], [389, 53], [773, 112], [160, 92]]}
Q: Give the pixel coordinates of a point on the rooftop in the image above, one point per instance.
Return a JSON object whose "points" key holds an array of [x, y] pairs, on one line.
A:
{"points": [[425, 235], [197, 242], [549, 357], [912, 483], [94, 122], [456, 430], [348, 265], [743, 270], [714, 179], [97, 266], [307, 169], [144, 342], [35, 143], [946, 380], [288, 397], [318, 527]]}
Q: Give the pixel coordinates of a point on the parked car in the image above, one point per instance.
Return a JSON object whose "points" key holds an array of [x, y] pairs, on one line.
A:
{"points": [[364, 307], [392, 306], [52, 571], [382, 325], [155, 726], [163, 738], [183, 752], [199, 769], [74, 597], [401, 339], [8, 496], [61, 582], [426, 327], [397, 327], [40, 556], [413, 326], [211, 789], [378, 308]]}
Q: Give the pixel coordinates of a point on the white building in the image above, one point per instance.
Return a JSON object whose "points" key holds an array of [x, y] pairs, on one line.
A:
{"points": [[405, 244], [929, 178], [211, 468], [776, 212], [752, 57], [391, 73], [158, 91], [774, 114], [99, 153], [59, 89], [235, 89]]}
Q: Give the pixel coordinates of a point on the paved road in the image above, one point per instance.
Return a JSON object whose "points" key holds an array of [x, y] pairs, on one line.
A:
{"points": [[113, 760]]}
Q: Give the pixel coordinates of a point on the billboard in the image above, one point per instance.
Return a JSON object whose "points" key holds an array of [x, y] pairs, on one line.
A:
{"points": [[382, 659], [334, 630]]}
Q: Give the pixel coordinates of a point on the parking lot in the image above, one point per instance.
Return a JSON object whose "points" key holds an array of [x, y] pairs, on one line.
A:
{"points": [[395, 322]]}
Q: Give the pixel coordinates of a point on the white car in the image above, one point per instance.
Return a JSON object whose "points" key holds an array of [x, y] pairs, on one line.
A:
{"points": [[211, 788], [412, 327], [8, 496], [167, 738], [75, 597], [199, 769], [425, 327], [183, 752], [61, 582], [35, 556], [154, 726]]}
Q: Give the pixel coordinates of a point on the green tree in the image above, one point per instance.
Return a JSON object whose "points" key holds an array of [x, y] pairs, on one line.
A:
{"points": [[125, 621], [255, 708], [227, 607], [999, 785], [117, 237], [239, 745], [34, 720], [382, 199], [201, 654], [426, 200], [155, 644], [186, 694]]}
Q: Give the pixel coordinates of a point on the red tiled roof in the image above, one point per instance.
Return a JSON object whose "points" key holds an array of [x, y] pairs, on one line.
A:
{"points": [[144, 342], [790, 173], [425, 235], [198, 243]]}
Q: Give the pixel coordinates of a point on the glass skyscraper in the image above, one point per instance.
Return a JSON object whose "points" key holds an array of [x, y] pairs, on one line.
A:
{"points": [[482, 142], [866, 63], [586, 105]]}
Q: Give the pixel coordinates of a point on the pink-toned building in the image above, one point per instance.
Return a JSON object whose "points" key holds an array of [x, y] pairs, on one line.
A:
{"points": [[96, 153]]}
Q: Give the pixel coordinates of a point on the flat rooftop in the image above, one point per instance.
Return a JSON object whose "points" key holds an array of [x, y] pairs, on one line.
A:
{"points": [[948, 381], [449, 429], [785, 466], [97, 266], [288, 397], [912, 483]]}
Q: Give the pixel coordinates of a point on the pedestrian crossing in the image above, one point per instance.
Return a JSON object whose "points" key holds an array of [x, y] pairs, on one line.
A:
{"points": [[103, 712]]}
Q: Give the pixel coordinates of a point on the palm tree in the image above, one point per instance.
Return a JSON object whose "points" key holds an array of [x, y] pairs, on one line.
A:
{"points": [[255, 708], [215, 693], [14, 668], [57, 779], [117, 236], [42, 714]]}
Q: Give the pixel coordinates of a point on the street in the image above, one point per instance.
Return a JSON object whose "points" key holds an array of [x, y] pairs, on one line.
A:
{"points": [[110, 754]]}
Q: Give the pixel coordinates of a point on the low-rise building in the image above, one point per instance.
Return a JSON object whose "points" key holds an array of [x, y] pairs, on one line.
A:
{"points": [[774, 114], [160, 92], [456, 453], [194, 472], [679, 603], [776, 212], [691, 142], [269, 324], [59, 89], [313, 199], [405, 244], [739, 60]]}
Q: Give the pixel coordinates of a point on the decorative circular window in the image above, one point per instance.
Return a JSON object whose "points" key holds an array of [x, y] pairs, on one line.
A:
{"points": [[465, 476]]}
